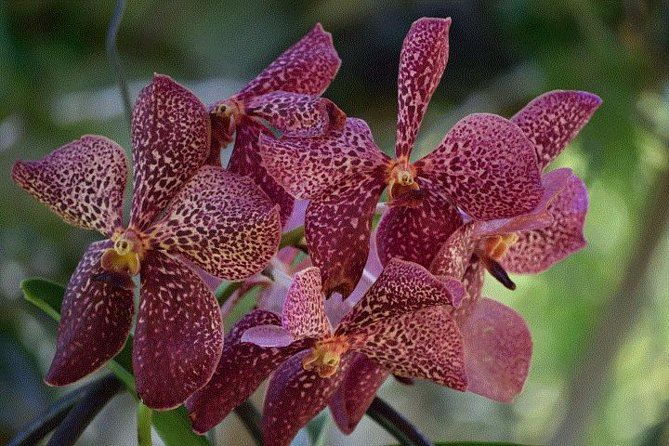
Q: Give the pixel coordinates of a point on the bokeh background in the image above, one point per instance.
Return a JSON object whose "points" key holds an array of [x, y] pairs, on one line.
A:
{"points": [[600, 320]]}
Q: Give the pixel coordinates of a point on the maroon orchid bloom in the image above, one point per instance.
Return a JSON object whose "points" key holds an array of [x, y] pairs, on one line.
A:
{"points": [[485, 165], [183, 213], [287, 96], [402, 324]]}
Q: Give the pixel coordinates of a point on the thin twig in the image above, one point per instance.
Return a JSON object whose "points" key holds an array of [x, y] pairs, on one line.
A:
{"points": [[250, 416], [115, 60], [398, 426], [81, 415], [143, 425]]}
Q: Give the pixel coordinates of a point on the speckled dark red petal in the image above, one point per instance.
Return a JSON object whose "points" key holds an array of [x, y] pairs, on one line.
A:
{"points": [[356, 392], [179, 334], [416, 233], [537, 250], [553, 119], [96, 320], [242, 368], [303, 312], [82, 182], [245, 160], [472, 280], [307, 67], [338, 235], [222, 222], [487, 166], [171, 135], [498, 349], [297, 115], [422, 63], [403, 287], [422, 344], [454, 255], [326, 168], [294, 397]]}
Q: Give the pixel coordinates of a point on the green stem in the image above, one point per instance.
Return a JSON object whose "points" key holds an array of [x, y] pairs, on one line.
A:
{"points": [[398, 426], [250, 416], [225, 290], [294, 238], [115, 60], [143, 425]]}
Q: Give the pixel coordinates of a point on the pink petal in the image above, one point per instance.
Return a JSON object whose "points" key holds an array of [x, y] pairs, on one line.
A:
{"points": [[472, 280], [96, 320], [487, 166], [326, 168], [303, 311], [307, 67], [537, 250], [82, 182], [454, 255], [403, 287], [297, 115], [294, 397], [222, 222], [498, 349], [242, 368], [416, 233], [245, 160], [553, 119], [268, 336], [422, 63], [179, 335], [171, 135], [353, 397], [422, 344]]}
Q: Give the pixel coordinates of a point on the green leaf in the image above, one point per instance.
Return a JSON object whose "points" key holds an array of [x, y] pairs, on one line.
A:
{"points": [[45, 295], [174, 429]]}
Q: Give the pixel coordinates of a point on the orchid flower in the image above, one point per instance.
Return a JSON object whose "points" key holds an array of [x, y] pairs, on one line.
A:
{"points": [[402, 324], [183, 213], [287, 96], [485, 166]]}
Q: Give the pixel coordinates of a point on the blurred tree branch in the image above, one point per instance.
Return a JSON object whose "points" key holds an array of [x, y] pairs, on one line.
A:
{"points": [[115, 60]]}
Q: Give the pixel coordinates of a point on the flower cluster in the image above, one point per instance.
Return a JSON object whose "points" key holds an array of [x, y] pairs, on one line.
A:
{"points": [[408, 298]]}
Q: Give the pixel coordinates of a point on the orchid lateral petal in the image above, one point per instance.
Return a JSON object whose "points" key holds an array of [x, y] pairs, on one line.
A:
{"points": [[222, 222], [82, 182], [303, 312], [422, 63], [403, 287], [297, 115], [95, 322], [487, 166], [553, 119], [179, 334], [356, 392], [423, 344], [472, 280], [245, 160], [325, 168], [454, 255], [415, 233], [171, 134], [537, 250], [307, 67], [295, 396], [242, 368], [338, 236], [498, 349]]}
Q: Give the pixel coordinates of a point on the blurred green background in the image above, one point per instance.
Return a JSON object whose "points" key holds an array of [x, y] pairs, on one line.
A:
{"points": [[600, 320]]}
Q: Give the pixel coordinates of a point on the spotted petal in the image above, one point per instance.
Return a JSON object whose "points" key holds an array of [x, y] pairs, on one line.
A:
{"points": [[297, 115], [454, 255], [422, 63], [222, 222], [242, 368], [356, 392], [498, 349], [294, 397], [171, 135], [537, 250], [96, 320], [423, 344], [179, 335], [403, 287], [553, 119], [245, 160], [307, 67], [487, 166], [415, 233], [303, 312], [82, 182]]}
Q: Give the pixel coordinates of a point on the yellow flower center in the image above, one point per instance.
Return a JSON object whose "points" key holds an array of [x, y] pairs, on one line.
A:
{"points": [[497, 246], [401, 177], [325, 356], [126, 254]]}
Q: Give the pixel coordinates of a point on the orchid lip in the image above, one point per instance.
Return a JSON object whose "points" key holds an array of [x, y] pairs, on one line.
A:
{"points": [[401, 177], [126, 254], [497, 271], [325, 356]]}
